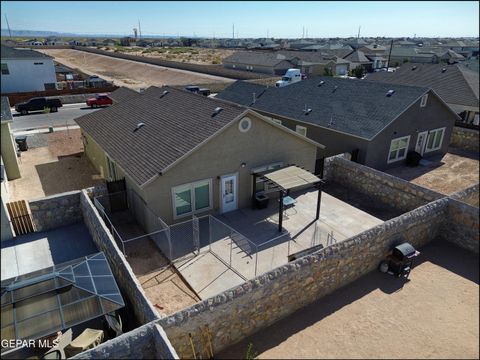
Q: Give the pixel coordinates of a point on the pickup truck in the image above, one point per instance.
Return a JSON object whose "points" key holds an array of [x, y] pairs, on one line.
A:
{"points": [[99, 100], [36, 104]]}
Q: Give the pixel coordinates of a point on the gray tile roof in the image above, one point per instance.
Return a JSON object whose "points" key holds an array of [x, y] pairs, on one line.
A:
{"points": [[123, 93], [12, 53], [174, 125], [255, 58], [358, 57], [355, 107], [457, 85]]}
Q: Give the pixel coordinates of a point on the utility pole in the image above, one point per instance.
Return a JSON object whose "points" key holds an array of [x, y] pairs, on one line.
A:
{"points": [[267, 33], [233, 31], [306, 33], [303, 32], [139, 30], [358, 36], [8, 26], [389, 53]]}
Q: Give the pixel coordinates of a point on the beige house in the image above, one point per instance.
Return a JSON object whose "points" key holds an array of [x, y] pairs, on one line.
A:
{"points": [[185, 154]]}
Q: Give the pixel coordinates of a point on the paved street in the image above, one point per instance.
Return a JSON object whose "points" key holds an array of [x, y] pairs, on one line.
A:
{"points": [[65, 116]]}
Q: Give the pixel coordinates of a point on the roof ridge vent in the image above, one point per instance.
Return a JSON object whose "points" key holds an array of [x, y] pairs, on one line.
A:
{"points": [[164, 93], [390, 93], [217, 111], [139, 126]]}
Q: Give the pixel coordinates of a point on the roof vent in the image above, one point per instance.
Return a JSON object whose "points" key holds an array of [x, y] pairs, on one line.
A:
{"points": [[331, 122], [414, 67], [335, 89], [321, 83], [308, 111], [444, 69], [139, 126], [254, 98], [390, 93], [217, 111], [164, 93]]}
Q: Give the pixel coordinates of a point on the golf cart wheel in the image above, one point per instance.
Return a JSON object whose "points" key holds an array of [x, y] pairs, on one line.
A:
{"points": [[383, 267]]}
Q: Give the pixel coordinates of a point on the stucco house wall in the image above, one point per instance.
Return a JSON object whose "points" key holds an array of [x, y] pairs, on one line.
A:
{"points": [[263, 144], [9, 152], [27, 74]]}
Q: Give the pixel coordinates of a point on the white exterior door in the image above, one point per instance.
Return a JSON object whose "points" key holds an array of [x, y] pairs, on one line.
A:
{"points": [[420, 144], [228, 195]]}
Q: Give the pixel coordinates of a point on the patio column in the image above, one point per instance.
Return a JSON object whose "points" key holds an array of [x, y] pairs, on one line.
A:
{"points": [[280, 212], [319, 200]]}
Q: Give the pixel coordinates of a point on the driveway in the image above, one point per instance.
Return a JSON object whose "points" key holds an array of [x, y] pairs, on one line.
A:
{"points": [[38, 119]]}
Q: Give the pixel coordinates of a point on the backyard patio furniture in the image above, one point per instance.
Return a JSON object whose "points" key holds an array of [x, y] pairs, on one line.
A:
{"points": [[261, 200], [88, 339], [289, 203], [58, 351]]}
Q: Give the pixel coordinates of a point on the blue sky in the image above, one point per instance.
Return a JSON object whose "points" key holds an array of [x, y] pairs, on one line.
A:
{"points": [[252, 19]]}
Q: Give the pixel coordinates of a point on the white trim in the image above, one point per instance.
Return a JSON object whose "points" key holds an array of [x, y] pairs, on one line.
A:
{"points": [[191, 187], [276, 121], [300, 129], [221, 193], [422, 150], [389, 161], [242, 121], [441, 139]]}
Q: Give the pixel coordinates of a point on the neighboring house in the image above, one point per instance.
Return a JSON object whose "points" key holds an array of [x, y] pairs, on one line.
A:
{"points": [[456, 84], [256, 61], [451, 57], [25, 70], [8, 146], [400, 55], [123, 94], [9, 169], [358, 58], [378, 123], [187, 154], [373, 49]]}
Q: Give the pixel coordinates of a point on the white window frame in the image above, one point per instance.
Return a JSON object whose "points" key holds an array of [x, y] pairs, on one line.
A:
{"points": [[423, 102], [302, 130], [112, 168], [434, 131], [192, 198], [271, 166], [389, 161], [279, 122]]}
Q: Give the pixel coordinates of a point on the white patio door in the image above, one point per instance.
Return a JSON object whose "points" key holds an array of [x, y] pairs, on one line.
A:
{"points": [[420, 144], [228, 195]]}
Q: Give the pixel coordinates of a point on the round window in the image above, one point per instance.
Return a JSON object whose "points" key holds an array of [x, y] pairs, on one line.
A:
{"points": [[245, 124]]}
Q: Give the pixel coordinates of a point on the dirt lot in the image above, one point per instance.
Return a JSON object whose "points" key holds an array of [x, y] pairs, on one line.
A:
{"points": [[55, 167], [129, 73], [457, 170], [434, 315], [181, 54]]}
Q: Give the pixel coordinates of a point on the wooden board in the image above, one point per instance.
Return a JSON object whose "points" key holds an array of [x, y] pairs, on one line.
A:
{"points": [[20, 217]]}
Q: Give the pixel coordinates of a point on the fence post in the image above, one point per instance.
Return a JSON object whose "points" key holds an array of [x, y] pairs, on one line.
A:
{"points": [[169, 243], [196, 233], [256, 260], [209, 232], [231, 248]]}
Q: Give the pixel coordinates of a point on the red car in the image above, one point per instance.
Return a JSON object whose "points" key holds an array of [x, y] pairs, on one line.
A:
{"points": [[99, 100]]}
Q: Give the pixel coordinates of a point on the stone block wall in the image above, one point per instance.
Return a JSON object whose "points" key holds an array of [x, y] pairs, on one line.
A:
{"points": [[466, 139], [255, 304], [55, 211], [127, 281], [469, 195], [461, 226], [378, 185], [146, 342]]}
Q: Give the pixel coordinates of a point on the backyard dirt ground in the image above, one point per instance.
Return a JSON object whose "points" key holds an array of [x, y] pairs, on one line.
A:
{"points": [[55, 166], [129, 73], [182, 54], [434, 315], [457, 170]]}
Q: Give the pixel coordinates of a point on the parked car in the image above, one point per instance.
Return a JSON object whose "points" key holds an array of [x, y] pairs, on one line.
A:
{"points": [[197, 90], [38, 103], [99, 100]]}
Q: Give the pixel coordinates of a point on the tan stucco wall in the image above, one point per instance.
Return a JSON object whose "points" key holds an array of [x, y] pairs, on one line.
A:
{"points": [[95, 154], [9, 153], [261, 145]]}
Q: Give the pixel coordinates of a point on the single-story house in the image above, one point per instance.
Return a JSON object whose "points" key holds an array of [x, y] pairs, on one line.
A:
{"points": [[399, 55], [186, 154], [456, 84], [257, 61], [377, 123], [358, 58]]}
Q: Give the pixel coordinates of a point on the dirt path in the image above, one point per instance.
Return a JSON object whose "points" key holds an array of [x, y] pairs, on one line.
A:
{"points": [[129, 73]]}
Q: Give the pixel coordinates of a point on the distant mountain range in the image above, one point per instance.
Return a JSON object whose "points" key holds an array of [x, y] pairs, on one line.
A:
{"points": [[38, 33]]}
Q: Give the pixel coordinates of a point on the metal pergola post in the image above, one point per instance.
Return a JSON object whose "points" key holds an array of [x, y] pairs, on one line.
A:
{"points": [[280, 212], [253, 189], [319, 200]]}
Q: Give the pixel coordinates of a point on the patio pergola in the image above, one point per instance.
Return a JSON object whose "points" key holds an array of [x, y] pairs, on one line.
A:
{"points": [[285, 179]]}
